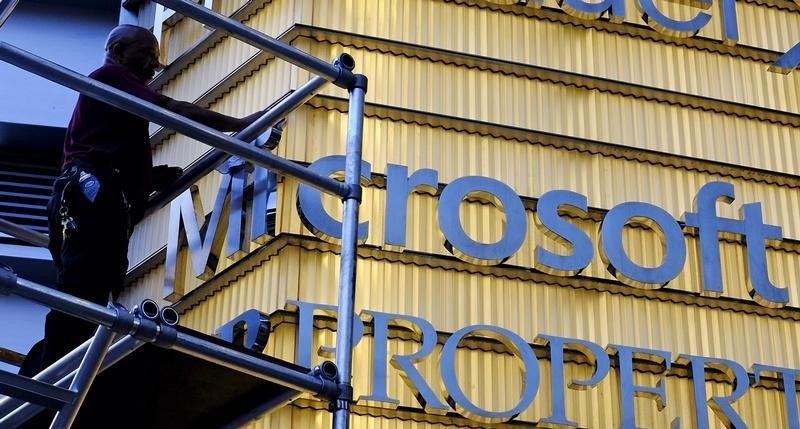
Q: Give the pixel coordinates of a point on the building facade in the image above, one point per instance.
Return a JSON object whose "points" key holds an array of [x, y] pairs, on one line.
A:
{"points": [[574, 215]]}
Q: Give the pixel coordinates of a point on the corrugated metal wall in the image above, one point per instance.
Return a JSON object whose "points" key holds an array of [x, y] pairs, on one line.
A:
{"points": [[539, 100]]}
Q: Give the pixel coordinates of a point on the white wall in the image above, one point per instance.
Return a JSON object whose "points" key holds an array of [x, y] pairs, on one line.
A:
{"points": [[72, 37]]}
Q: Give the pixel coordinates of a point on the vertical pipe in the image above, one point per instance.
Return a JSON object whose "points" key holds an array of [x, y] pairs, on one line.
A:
{"points": [[347, 275], [90, 365]]}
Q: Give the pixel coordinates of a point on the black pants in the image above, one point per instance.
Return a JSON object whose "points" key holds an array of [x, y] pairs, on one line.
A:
{"points": [[91, 260]]}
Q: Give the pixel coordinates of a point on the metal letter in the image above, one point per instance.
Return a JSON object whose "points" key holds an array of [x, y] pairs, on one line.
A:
{"points": [[492, 191], [403, 363], [309, 201], [617, 261], [398, 187], [721, 405], [787, 62], [730, 23], [251, 328], [592, 11], [789, 377], [708, 226], [305, 329], [548, 210], [237, 246], [185, 211], [628, 390], [672, 27], [596, 354], [458, 399], [265, 185], [755, 233]]}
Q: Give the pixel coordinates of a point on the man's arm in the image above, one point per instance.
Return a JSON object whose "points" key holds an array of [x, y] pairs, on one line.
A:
{"points": [[210, 118]]}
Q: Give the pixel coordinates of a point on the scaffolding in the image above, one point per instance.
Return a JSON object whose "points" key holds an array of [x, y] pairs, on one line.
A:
{"points": [[64, 385]]}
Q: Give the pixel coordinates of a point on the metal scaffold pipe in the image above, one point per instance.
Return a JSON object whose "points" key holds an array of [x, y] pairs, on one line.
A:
{"points": [[165, 336], [347, 276], [339, 75], [159, 115]]}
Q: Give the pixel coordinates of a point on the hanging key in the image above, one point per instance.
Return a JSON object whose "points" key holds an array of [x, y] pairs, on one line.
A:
{"points": [[68, 225]]}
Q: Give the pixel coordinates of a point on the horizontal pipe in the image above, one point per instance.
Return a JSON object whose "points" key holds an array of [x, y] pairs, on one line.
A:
{"points": [[159, 115], [27, 235], [251, 365], [65, 303], [339, 75], [181, 341]]}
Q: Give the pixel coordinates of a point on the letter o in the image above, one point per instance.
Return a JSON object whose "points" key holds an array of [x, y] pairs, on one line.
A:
{"points": [[458, 399], [617, 261], [495, 192]]}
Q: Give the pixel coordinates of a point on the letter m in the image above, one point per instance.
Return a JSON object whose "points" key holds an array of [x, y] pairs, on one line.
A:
{"points": [[186, 215], [787, 62]]}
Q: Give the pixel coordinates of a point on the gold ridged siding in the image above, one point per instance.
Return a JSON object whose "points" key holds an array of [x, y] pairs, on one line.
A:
{"points": [[540, 101], [527, 308]]}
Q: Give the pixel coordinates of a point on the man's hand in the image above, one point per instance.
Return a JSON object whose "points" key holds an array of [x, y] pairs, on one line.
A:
{"points": [[164, 176]]}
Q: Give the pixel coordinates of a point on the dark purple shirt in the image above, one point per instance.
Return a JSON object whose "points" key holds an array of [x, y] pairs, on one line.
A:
{"points": [[107, 138]]}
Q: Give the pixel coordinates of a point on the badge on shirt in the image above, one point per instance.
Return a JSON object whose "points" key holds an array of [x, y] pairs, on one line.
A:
{"points": [[89, 185]]}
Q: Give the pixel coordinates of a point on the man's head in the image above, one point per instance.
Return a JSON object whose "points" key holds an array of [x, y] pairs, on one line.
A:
{"points": [[135, 48]]}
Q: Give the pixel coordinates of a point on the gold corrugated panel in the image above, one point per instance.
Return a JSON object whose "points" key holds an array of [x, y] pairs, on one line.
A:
{"points": [[538, 42], [543, 106], [208, 70], [225, 57], [227, 7], [254, 92], [529, 169], [594, 53], [752, 17], [525, 308], [528, 308], [180, 37]]}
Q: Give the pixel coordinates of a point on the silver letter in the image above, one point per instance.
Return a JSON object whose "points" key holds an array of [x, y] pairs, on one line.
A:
{"points": [[617, 261], [789, 377], [594, 352], [204, 252], [265, 184], [398, 187], [755, 233], [673, 27], [305, 329], [629, 391], [492, 191], [721, 405], [404, 363], [456, 397], [548, 208], [309, 202]]}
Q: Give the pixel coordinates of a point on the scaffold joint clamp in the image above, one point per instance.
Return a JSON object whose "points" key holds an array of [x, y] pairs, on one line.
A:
{"points": [[354, 192]]}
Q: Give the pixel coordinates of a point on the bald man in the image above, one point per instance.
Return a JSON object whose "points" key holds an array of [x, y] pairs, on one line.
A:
{"points": [[107, 178]]}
